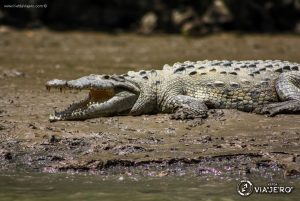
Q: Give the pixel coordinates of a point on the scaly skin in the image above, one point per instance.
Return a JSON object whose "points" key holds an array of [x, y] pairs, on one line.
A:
{"points": [[188, 90]]}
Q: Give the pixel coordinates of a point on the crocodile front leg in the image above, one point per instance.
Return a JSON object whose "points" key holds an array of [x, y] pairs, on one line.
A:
{"points": [[185, 107]]}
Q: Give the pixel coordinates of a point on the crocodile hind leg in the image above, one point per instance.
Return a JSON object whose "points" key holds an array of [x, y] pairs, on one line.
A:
{"points": [[186, 107], [288, 90]]}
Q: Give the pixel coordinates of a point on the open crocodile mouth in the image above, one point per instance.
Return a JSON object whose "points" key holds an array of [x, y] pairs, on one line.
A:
{"points": [[102, 100], [77, 110]]}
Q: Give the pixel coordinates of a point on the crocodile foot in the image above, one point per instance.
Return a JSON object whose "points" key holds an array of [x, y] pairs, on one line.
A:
{"points": [[188, 108], [292, 106]]}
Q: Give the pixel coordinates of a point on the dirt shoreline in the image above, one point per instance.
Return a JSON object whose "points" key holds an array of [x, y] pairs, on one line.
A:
{"points": [[228, 142]]}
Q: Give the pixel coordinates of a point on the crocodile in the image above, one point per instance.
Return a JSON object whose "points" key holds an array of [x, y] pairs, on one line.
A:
{"points": [[187, 90]]}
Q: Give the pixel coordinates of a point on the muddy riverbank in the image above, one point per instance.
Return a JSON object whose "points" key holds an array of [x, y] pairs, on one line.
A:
{"points": [[228, 142]]}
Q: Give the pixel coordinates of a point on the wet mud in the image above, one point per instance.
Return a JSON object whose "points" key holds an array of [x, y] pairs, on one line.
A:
{"points": [[228, 142]]}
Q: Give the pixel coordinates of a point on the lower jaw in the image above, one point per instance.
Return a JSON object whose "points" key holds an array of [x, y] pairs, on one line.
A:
{"points": [[60, 116], [53, 118], [76, 113]]}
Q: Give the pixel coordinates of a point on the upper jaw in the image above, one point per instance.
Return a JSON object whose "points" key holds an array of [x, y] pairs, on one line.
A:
{"points": [[100, 82]]}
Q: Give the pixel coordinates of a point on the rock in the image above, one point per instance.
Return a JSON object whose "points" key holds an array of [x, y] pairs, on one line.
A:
{"points": [[148, 23], [217, 13], [180, 17], [4, 154], [4, 29], [297, 28], [11, 74], [292, 172]]}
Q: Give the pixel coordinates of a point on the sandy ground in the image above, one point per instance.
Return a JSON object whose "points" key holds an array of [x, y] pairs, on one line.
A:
{"points": [[228, 141]]}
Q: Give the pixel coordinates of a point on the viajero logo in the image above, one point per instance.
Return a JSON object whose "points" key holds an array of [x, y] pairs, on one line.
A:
{"points": [[245, 188]]}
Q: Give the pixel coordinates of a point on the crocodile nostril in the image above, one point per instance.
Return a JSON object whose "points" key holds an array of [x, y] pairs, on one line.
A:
{"points": [[105, 76]]}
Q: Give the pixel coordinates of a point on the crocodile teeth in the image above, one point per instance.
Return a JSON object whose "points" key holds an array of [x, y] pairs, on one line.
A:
{"points": [[92, 103]]}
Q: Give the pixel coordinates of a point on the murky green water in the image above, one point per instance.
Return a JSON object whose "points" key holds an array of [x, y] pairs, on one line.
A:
{"points": [[56, 187]]}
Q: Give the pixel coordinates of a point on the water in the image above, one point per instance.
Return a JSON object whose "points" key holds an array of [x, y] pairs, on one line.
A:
{"points": [[56, 187]]}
